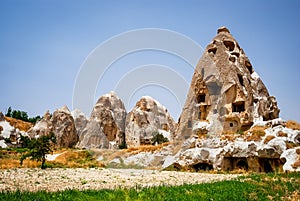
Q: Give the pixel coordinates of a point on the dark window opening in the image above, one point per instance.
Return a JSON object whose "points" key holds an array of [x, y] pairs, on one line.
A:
{"points": [[267, 167], [235, 54], [232, 59], [229, 45], [202, 166], [189, 124], [213, 50], [249, 66], [201, 98], [241, 80], [238, 107], [242, 164], [231, 124]]}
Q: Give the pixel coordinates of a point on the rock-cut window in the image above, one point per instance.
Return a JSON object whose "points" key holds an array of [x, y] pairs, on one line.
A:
{"points": [[189, 123], [238, 107], [201, 98]]}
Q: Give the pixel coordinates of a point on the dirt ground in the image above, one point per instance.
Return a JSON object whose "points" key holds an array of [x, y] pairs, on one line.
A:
{"points": [[34, 179]]}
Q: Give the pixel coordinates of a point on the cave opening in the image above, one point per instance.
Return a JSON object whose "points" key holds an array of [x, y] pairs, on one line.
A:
{"points": [[201, 98], [242, 164], [238, 106], [202, 167], [241, 80]]}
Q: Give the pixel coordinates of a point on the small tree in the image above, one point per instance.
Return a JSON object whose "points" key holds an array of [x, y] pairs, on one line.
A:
{"points": [[8, 114], [158, 138], [38, 148]]}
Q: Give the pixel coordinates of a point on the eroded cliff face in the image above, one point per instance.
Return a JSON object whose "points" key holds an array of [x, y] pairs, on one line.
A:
{"points": [[106, 126], [146, 118], [225, 93]]}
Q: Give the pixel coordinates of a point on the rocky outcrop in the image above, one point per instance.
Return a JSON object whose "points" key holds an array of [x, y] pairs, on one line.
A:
{"points": [[1, 116], [63, 127], [61, 123], [268, 146], [80, 121], [225, 92], [148, 116], [9, 135], [93, 137], [106, 127], [42, 127]]}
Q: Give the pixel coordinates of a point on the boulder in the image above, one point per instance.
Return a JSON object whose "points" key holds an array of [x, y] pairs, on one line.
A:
{"points": [[146, 118]]}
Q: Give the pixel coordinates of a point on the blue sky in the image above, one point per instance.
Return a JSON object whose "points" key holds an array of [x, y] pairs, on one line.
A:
{"points": [[43, 43]]}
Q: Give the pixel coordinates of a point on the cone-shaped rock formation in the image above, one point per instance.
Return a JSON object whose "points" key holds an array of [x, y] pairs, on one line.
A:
{"points": [[226, 94]]}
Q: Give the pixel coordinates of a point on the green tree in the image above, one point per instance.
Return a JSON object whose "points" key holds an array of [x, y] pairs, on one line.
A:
{"points": [[38, 148], [158, 138], [8, 114]]}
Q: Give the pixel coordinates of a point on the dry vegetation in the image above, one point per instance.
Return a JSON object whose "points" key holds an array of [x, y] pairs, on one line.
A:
{"points": [[21, 125], [268, 139], [292, 125], [147, 148], [230, 138], [281, 134], [68, 158], [256, 133]]}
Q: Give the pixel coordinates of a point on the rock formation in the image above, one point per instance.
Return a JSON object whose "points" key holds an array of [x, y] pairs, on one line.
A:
{"points": [[106, 127], [229, 120], [42, 127], [226, 94], [1, 116], [10, 135], [61, 124], [148, 116], [80, 121], [63, 127]]}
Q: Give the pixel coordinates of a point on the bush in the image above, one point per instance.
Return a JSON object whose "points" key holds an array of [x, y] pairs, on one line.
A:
{"points": [[123, 145], [158, 138]]}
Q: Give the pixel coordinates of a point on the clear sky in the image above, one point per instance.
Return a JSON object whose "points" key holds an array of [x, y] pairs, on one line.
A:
{"points": [[43, 43]]}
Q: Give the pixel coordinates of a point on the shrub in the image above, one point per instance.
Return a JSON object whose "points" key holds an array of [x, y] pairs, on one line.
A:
{"points": [[158, 138], [256, 133]]}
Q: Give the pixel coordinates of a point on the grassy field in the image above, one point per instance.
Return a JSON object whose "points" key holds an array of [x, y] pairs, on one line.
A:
{"points": [[254, 187]]}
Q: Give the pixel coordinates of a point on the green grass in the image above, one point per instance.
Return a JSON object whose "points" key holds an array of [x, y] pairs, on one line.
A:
{"points": [[253, 187]]}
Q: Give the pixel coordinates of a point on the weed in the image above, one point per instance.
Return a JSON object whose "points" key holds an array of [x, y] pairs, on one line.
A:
{"points": [[83, 182]]}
